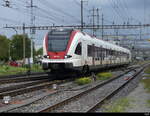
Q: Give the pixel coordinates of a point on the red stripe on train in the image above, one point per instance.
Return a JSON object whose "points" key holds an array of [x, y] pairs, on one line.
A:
{"points": [[70, 40], [60, 55]]}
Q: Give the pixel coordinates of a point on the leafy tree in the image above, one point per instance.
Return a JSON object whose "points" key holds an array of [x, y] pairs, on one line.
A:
{"points": [[17, 47], [39, 51], [4, 47]]}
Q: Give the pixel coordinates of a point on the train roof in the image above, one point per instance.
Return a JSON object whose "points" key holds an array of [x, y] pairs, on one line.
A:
{"points": [[107, 44], [100, 41]]}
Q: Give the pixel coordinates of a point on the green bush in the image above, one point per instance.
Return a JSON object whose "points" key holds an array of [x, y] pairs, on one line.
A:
{"points": [[104, 75], [84, 80]]}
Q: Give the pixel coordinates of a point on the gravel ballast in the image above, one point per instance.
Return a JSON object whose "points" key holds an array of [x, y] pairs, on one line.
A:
{"points": [[135, 93]]}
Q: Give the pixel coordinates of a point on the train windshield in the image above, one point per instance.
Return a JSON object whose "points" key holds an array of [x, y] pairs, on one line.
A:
{"points": [[58, 40]]}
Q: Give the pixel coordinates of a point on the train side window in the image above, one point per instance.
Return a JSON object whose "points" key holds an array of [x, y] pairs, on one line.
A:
{"points": [[89, 50], [78, 49]]}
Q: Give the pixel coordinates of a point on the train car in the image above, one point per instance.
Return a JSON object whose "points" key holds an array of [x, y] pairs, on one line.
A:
{"points": [[65, 49]]}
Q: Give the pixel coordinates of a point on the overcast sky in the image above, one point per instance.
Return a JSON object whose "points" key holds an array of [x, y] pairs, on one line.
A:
{"points": [[67, 12]]}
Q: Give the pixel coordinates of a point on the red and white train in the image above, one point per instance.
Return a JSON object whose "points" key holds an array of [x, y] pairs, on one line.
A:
{"points": [[76, 50]]}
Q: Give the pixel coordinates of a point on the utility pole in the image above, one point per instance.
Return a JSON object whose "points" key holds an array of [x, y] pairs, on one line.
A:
{"points": [[81, 15], [82, 20], [93, 19], [32, 31], [97, 17], [95, 13], [140, 33], [24, 48], [102, 26], [117, 37]]}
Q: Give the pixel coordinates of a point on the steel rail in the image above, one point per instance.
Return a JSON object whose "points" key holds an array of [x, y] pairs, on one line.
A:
{"points": [[28, 89], [101, 102], [55, 106], [22, 79], [36, 98], [22, 85], [22, 75]]}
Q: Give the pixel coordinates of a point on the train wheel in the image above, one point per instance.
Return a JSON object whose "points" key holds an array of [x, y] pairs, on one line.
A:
{"points": [[85, 70]]}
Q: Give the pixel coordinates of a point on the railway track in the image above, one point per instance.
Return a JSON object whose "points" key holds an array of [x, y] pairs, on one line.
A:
{"points": [[111, 94], [21, 84], [39, 84], [23, 79], [30, 89], [55, 105], [80, 102], [31, 84], [23, 75]]}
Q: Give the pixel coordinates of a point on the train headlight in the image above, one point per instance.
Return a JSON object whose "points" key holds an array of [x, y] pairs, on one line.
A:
{"points": [[68, 56], [46, 56]]}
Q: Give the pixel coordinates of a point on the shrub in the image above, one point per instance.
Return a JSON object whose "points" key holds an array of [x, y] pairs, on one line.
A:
{"points": [[84, 80], [104, 75]]}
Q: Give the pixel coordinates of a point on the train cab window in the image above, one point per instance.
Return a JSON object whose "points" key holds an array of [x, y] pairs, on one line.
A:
{"points": [[78, 50]]}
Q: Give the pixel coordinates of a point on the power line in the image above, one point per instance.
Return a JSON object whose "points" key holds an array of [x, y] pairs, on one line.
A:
{"points": [[24, 11], [86, 27], [9, 20], [56, 9], [114, 6]]}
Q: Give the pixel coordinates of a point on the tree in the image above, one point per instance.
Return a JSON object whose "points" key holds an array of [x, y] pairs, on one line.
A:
{"points": [[17, 47], [39, 51], [4, 47]]}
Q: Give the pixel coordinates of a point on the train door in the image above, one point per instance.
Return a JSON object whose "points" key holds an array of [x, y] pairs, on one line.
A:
{"points": [[101, 50], [84, 52], [93, 54]]}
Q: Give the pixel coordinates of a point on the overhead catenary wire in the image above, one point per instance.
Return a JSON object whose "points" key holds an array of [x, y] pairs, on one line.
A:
{"points": [[57, 10]]}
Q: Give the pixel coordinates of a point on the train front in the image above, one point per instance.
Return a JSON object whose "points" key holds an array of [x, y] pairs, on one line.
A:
{"points": [[55, 50]]}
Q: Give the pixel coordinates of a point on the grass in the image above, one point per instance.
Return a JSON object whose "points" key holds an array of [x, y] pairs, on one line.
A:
{"points": [[83, 80], [142, 62], [104, 75], [147, 70], [36, 68], [147, 75], [148, 103], [146, 83], [10, 70], [119, 106]]}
